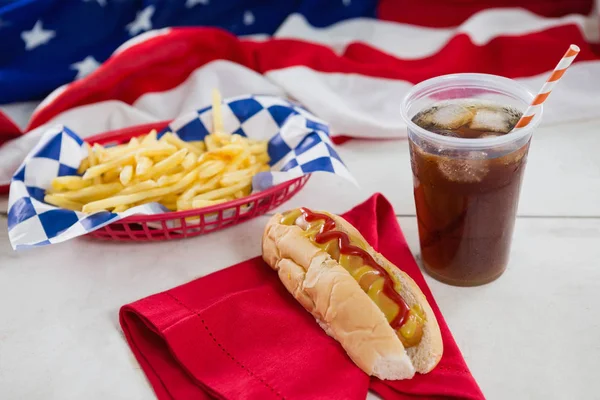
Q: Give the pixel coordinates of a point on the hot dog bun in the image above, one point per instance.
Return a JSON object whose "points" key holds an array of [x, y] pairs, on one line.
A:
{"points": [[343, 309]]}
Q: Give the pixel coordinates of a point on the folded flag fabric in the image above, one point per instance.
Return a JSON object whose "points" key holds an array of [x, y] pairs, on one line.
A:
{"points": [[238, 333], [43, 47], [349, 62]]}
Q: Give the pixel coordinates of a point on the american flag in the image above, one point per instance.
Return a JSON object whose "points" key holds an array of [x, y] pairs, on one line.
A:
{"points": [[103, 65]]}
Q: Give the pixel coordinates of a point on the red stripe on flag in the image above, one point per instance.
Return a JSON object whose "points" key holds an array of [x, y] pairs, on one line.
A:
{"points": [[163, 62], [156, 65], [447, 13], [538, 53], [8, 129], [340, 140]]}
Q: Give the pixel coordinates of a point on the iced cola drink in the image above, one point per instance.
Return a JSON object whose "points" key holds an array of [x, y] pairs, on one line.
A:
{"points": [[467, 168]]}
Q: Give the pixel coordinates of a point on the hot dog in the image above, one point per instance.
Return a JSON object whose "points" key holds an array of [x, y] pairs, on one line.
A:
{"points": [[373, 309]]}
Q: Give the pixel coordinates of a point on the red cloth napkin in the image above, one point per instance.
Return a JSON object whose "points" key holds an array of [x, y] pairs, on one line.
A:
{"points": [[238, 334]]}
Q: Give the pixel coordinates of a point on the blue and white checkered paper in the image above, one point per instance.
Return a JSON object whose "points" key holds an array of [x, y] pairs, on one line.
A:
{"points": [[299, 144]]}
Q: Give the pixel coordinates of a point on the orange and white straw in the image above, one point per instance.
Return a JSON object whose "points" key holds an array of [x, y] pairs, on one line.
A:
{"points": [[543, 94]]}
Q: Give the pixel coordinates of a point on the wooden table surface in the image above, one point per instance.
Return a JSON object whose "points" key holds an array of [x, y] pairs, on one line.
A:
{"points": [[531, 334]]}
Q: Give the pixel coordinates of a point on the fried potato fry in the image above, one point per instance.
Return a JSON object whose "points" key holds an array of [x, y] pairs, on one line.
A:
{"points": [[225, 191], [179, 175], [234, 177], [157, 199], [143, 165], [263, 158], [199, 144], [136, 197], [217, 114], [59, 201], [228, 151], [133, 143], [189, 161], [170, 206], [237, 138], [170, 198], [84, 165], [126, 175], [183, 204], [206, 203], [97, 170], [99, 152], [258, 148], [152, 150], [238, 160], [200, 187], [210, 143], [162, 151], [138, 187], [69, 183], [180, 144], [92, 161], [211, 168], [93, 192], [149, 138], [164, 166], [167, 180], [112, 175]]}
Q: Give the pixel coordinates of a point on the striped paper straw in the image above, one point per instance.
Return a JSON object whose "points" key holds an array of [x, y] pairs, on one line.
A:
{"points": [[543, 94]]}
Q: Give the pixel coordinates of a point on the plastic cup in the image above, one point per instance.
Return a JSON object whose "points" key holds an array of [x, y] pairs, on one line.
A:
{"points": [[467, 190]]}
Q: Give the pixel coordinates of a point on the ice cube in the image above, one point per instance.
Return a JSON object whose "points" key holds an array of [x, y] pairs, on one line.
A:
{"points": [[470, 170], [423, 118], [417, 156], [451, 116], [443, 116], [445, 132], [515, 156], [500, 120], [487, 135]]}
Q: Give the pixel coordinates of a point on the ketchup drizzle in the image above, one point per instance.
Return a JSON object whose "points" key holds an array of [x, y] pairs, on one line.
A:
{"points": [[328, 233]]}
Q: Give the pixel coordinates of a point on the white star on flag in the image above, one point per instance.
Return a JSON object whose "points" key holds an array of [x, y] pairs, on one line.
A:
{"points": [[37, 36], [102, 3], [248, 18], [192, 3], [142, 21], [85, 67]]}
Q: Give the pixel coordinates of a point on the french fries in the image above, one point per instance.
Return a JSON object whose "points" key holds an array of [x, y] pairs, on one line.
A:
{"points": [[63, 202], [224, 191], [180, 144], [143, 165], [126, 174], [179, 175], [217, 115], [70, 182]]}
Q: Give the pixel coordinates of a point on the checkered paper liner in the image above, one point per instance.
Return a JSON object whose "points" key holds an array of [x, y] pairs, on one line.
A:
{"points": [[298, 144]]}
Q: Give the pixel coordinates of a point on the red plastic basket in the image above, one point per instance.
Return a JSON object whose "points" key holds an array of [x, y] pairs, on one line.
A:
{"points": [[183, 224]]}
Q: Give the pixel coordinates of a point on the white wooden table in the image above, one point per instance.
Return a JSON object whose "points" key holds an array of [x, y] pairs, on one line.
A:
{"points": [[532, 334]]}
